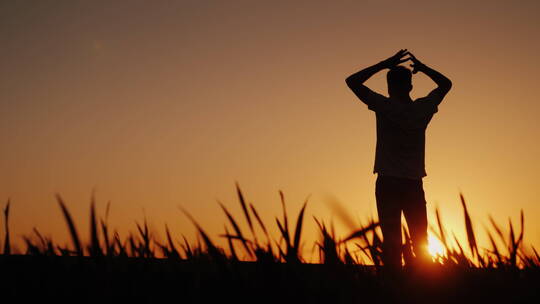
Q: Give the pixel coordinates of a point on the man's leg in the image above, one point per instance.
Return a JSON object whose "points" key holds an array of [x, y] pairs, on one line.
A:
{"points": [[389, 213], [414, 210]]}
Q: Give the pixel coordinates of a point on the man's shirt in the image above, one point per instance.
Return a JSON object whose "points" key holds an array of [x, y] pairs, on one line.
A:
{"points": [[401, 129]]}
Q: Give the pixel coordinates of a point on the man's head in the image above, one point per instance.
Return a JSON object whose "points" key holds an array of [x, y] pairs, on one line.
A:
{"points": [[399, 80]]}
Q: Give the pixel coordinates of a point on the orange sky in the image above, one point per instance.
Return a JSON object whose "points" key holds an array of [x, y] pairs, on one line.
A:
{"points": [[160, 104]]}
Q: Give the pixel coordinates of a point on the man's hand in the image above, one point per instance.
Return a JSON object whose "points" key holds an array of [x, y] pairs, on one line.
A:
{"points": [[443, 84], [396, 59], [416, 65]]}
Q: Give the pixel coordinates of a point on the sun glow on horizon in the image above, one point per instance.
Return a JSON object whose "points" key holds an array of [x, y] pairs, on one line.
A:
{"points": [[435, 247]]}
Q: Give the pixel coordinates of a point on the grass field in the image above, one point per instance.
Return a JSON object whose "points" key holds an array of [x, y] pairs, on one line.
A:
{"points": [[258, 268]]}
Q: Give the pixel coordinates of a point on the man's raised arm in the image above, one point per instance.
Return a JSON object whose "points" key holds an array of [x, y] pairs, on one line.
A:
{"points": [[356, 81], [443, 83]]}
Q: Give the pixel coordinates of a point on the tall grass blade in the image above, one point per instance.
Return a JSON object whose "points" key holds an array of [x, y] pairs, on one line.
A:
{"points": [[441, 228], [282, 254], [47, 246], [237, 230], [7, 242], [231, 245], [522, 228], [298, 229], [497, 229], [133, 247], [187, 248], [122, 251], [259, 219], [361, 232], [145, 250], [31, 248], [342, 214], [288, 255], [328, 248], [172, 249], [373, 248], [244, 208], [40, 237], [105, 230], [95, 248], [347, 257], [537, 256], [499, 260], [512, 245], [286, 234], [469, 228], [459, 255], [212, 249], [71, 226]]}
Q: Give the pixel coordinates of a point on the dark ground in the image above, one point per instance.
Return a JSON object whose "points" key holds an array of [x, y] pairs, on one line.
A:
{"points": [[27, 279]]}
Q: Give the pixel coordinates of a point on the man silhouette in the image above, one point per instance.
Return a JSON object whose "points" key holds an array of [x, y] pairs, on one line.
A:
{"points": [[399, 156]]}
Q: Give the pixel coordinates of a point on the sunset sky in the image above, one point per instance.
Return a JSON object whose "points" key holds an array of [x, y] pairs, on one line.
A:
{"points": [[160, 104]]}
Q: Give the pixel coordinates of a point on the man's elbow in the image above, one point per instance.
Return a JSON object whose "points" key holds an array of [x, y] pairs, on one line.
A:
{"points": [[447, 85], [350, 82]]}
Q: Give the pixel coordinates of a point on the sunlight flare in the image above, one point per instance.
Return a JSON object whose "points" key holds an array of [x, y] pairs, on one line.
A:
{"points": [[435, 247]]}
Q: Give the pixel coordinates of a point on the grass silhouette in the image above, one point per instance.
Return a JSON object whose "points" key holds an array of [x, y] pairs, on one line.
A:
{"points": [[142, 268]]}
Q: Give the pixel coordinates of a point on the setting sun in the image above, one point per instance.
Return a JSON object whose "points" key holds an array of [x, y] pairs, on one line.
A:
{"points": [[435, 247]]}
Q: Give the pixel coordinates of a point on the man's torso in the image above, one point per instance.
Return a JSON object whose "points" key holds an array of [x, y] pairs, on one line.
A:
{"points": [[401, 127]]}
